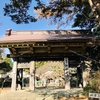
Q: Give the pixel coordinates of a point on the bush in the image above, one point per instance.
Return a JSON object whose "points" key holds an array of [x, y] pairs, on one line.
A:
{"points": [[86, 90], [94, 84]]}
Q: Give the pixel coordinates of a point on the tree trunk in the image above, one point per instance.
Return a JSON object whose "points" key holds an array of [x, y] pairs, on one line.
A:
{"points": [[95, 7]]}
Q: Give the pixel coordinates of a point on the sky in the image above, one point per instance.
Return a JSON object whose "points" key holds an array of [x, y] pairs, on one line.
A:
{"points": [[6, 23]]}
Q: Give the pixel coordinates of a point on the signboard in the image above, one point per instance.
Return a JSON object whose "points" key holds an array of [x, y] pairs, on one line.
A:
{"points": [[94, 95], [67, 77]]}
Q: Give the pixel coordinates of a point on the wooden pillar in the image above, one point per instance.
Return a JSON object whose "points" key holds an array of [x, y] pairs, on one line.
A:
{"points": [[32, 76], [67, 77], [80, 69], [14, 74]]}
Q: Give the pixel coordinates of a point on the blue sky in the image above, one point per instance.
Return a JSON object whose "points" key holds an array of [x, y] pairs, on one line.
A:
{"points": [[6, 23]]}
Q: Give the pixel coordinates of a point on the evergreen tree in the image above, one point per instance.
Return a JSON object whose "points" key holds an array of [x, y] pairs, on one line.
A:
{"points": [[83, 13]]}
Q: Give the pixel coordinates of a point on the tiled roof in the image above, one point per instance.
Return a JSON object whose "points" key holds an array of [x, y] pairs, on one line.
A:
{"points": [[47, 35]]}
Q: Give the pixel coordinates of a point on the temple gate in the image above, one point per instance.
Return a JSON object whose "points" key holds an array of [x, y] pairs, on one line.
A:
{"points": [[26, 47]]}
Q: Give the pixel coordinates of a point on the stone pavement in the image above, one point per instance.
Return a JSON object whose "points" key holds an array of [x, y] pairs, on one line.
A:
{"points": [[58, 92]]}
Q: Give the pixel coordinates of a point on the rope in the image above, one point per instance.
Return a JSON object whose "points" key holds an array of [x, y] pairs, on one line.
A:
{"points": [[83, 56]]}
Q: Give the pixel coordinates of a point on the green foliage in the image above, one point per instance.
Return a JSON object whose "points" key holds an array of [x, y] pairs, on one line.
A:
{"points": [[96, 30], [8, 61], [1, 57], [84, 19], [94, 54], [94, 83], [39, 64], [5, 65], [26, 70], [86, 90], [25, 80], [59, 12], [18, 11], [5, 82], [1, 51]]}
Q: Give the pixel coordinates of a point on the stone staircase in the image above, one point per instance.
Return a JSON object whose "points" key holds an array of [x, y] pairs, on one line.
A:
{"points": [[52, 93]]}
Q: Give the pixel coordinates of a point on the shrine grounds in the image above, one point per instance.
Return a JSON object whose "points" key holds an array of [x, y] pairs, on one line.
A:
{"points": [[49, 93]]}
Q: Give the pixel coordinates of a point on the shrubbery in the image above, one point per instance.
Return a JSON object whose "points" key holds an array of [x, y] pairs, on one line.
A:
{"points": [[94, 83]]}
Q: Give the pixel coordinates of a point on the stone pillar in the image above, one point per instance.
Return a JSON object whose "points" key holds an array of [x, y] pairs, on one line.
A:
{"points": [[32, 76], [14, 74], [67, 77]]}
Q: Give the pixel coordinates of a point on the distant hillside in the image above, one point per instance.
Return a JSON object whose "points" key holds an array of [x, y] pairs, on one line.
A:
{"points": [[55, 66]]}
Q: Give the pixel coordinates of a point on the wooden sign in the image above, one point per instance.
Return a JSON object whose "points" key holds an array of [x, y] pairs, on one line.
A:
{"points": [[66, 68]]}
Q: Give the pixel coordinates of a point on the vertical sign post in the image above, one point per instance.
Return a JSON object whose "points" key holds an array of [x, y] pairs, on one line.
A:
{"points": [[67, 77]]}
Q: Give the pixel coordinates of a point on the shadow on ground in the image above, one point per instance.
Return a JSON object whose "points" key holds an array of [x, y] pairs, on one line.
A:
{"points": [[43, 93]]}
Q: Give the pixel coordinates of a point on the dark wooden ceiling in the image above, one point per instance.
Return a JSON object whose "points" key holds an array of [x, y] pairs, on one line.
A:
{"points": [[55, 50]]}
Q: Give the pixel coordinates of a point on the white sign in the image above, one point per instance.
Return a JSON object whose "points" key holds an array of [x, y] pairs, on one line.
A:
{"points": [[94, 95]]}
